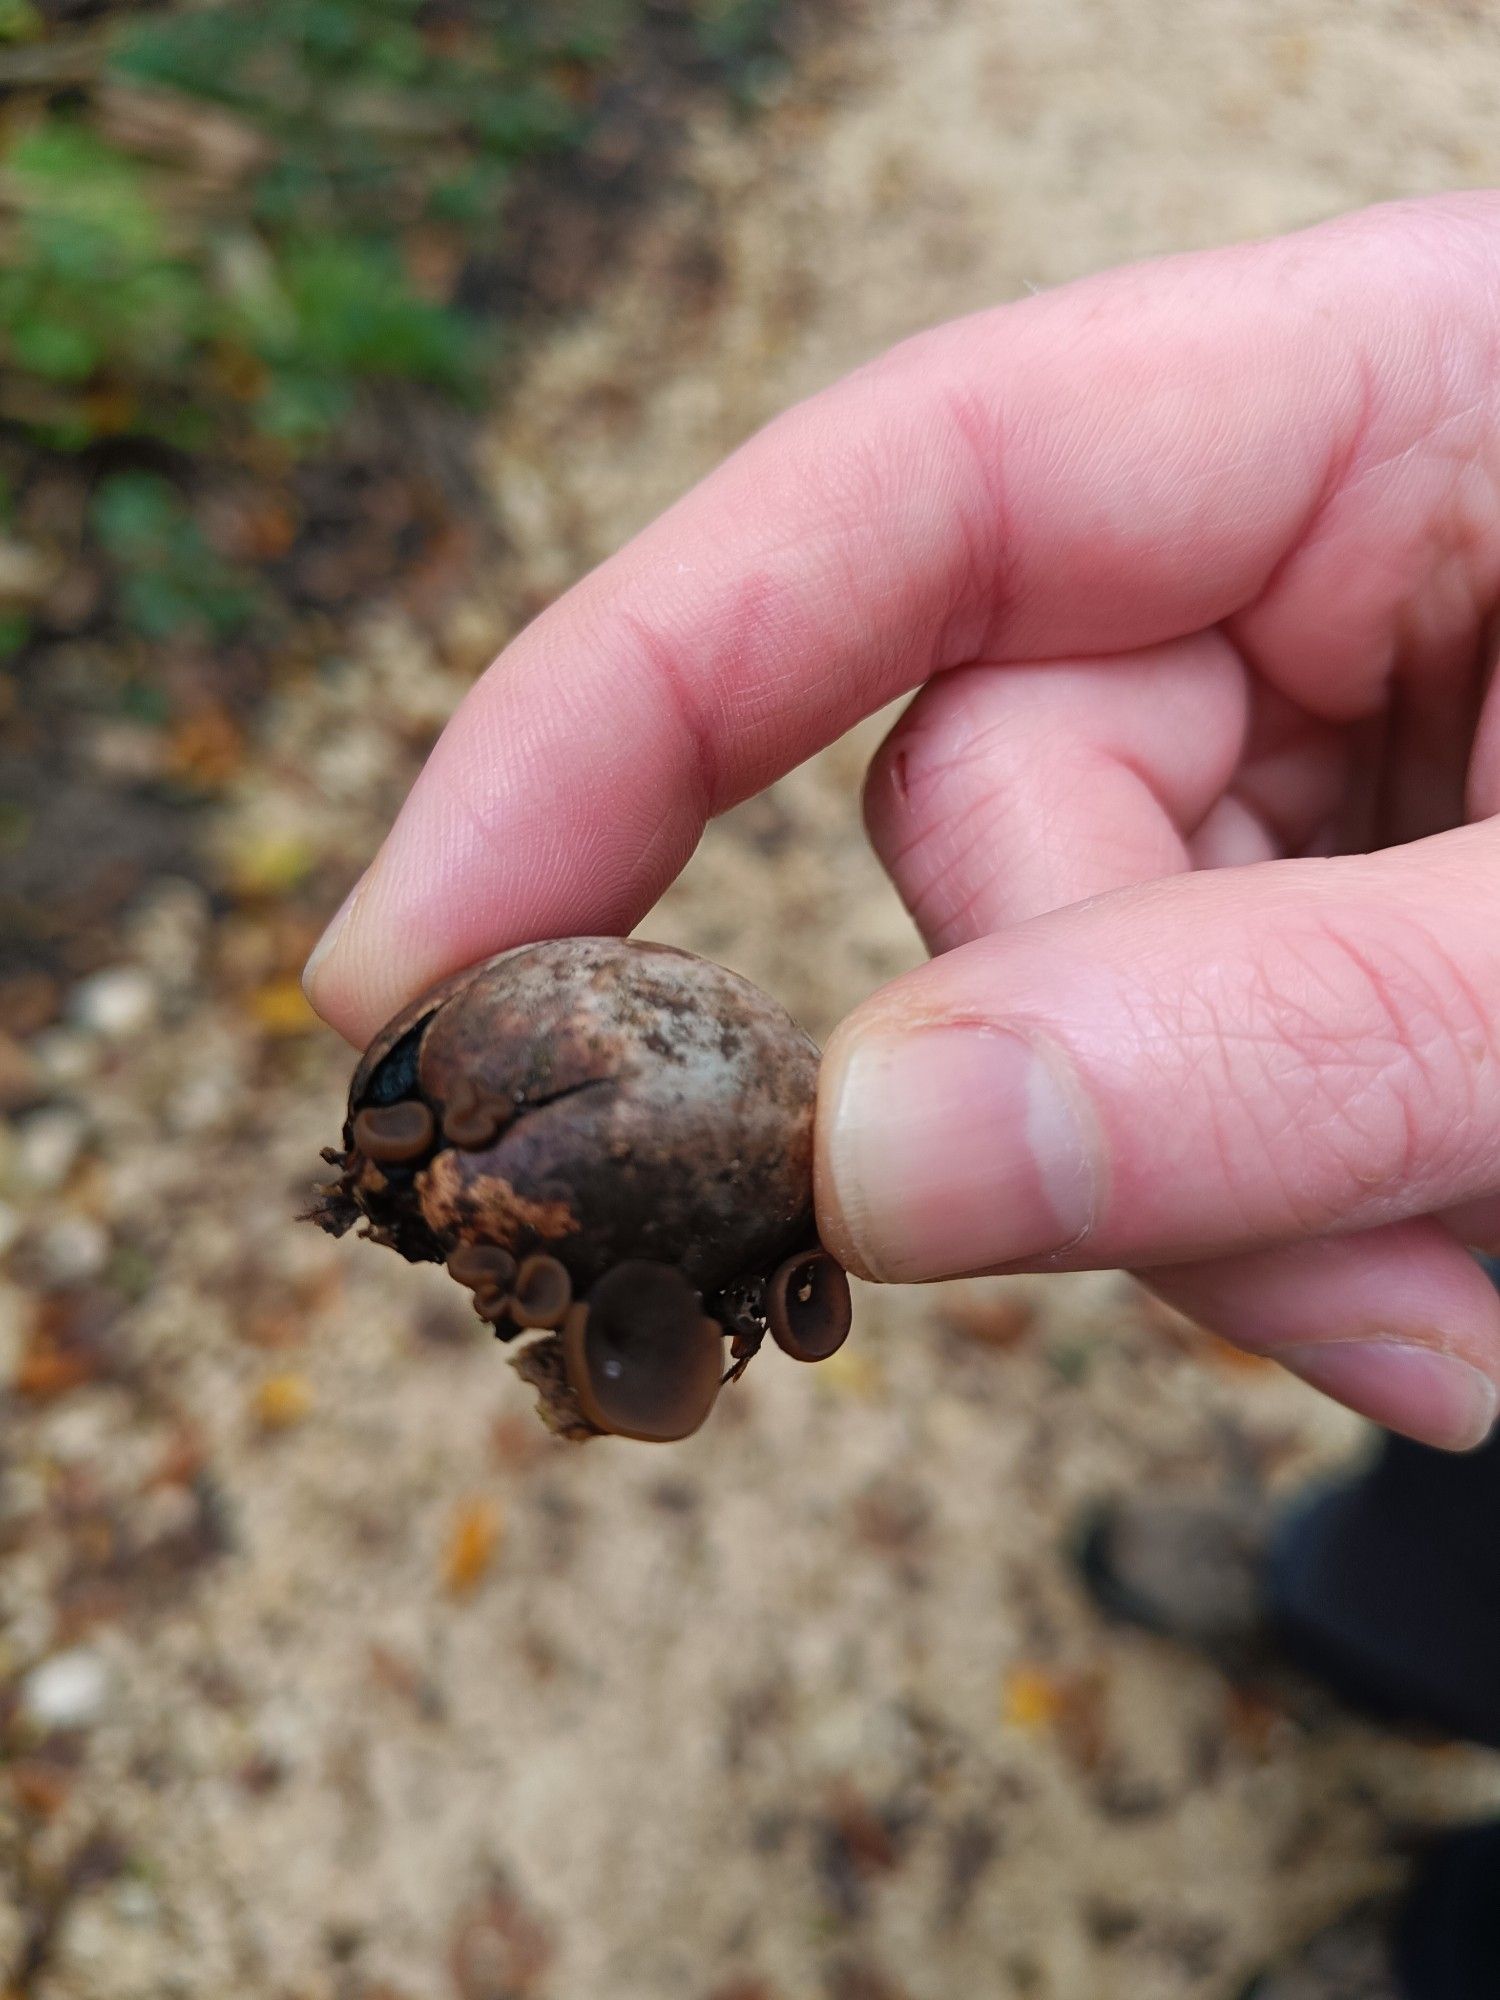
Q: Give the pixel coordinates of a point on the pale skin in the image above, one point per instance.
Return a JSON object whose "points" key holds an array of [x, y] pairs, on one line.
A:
{"points": [[1191, 570]]}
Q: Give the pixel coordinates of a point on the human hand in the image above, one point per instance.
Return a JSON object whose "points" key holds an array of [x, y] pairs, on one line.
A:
{"points": [[1193, 565]]}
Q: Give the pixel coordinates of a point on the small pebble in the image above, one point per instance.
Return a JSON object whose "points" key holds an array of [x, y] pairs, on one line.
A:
{"points": [[137, 1903], [72, 1250], [66, 1692], [201, 1103], [64, 1056], [25, 571], [128, 751], [48, 1148], [167, 933], [115, 1003]]}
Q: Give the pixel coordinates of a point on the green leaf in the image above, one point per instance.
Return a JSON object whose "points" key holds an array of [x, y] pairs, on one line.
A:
{"points": [[168, 579], [136, 514], [20, 21], [357, 315], [301, 408], [15, 630], [54, 348], [78, 195]]}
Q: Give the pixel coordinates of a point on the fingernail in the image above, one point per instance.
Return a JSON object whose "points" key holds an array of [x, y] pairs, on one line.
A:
{"points": [[330, 937], [1433, 1397], [955, 1149]]}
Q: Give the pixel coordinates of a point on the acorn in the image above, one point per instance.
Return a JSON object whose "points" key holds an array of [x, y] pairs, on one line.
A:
{"points": [[609, 1144]]}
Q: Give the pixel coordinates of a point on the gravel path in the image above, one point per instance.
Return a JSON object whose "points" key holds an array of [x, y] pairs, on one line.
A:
{"points": [[325, 1675]]}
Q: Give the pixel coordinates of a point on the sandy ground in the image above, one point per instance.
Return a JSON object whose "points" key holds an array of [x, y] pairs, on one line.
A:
{"points": [[328, 1676]]}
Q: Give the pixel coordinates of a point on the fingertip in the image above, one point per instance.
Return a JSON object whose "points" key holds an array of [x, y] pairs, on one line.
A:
{"points": [[369, 962], [395, 935], [829, 1177], [1398, 1324], [1410, 1386], [319, 981]]}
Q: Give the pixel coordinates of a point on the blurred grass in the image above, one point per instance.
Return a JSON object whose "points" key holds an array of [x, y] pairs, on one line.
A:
{"points": [[235, 235]]}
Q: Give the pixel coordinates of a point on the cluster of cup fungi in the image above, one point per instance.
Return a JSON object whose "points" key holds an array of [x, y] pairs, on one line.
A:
{"points": [[608, 1143]]}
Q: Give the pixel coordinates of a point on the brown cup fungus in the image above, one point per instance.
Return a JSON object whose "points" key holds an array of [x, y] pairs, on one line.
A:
{"points": [[808, 1307], [609, 1144], [643, 1358]]}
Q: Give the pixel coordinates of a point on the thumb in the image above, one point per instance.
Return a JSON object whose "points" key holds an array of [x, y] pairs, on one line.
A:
{"points": [[1200, 1066]]}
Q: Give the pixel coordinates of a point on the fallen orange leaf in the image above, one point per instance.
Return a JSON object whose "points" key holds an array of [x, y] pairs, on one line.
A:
{"points": [[46, 1370], [62, 1350], [1032, 1699], [283, 1400], [281, 1008], [1066, 1704], [41, 1788], [473, 1539], [206, 748]]}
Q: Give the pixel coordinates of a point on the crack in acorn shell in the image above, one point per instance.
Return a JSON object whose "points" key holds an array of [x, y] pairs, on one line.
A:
{"points": [[635, 1138]]}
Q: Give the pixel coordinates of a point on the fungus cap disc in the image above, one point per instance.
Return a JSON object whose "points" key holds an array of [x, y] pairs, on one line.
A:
{"points": [[642, 1358], [543, 1292], [808, 1307], [395, 1134]]}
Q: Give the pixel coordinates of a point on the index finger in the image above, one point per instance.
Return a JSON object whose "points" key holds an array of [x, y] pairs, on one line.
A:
{"points": [[1119, 462]]}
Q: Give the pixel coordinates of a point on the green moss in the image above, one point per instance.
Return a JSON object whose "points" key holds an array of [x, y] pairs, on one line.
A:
{"points": [[170, 580], [282, 229]]}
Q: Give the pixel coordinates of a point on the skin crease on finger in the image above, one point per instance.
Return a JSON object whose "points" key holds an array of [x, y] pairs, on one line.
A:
{"points": [[1275, 465]]}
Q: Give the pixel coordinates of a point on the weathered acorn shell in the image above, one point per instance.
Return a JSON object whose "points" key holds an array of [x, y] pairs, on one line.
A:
{"points": [[570, 1108], [646, 1104]]}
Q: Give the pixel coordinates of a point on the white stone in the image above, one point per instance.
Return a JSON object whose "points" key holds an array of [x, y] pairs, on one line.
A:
{"points": [[117, 1002], [64, 1056], [79, 1429], [74, 1248], [167, 933], [66, 1692], [131, 751], [48, 1148], [25, 571], [137, 1903], [201, 1103]]}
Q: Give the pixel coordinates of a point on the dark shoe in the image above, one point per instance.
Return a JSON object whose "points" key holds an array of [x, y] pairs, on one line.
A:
{"points": [[1193, 1571], [1286, 1597], [1351, 1960]]}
